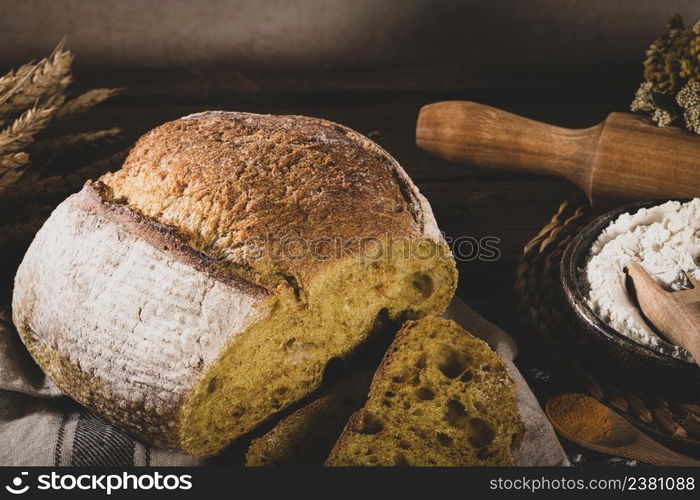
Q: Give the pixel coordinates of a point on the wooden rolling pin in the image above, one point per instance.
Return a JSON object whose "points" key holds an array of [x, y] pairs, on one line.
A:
{"points": [[622, 159]]}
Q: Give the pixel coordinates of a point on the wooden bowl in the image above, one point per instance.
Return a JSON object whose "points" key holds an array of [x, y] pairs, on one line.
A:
{"points": [[619, 356]]}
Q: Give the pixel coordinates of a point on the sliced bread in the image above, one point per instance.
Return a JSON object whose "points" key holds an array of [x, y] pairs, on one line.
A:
{"points": [[306, 436], [440, 397]]}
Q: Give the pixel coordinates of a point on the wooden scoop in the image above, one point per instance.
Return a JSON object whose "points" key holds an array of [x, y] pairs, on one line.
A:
{"points": [[676, 315], [622, 159], [622, 440]]}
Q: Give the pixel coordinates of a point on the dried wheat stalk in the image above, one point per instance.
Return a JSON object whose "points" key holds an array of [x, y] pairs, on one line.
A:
{"points": [[14, 79], [84, 102], [44, 191], [31, 98], [61, 143], [13, 161], [16, 137], [49, 79], [21, 133], [57, 185]]}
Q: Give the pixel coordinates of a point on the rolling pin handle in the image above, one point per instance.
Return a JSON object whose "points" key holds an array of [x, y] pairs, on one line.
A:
{"points": [[485, 137]]}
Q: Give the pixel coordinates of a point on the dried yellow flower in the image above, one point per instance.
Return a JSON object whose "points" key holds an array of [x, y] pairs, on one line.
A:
{"points": [[643, 100], [661, 117], [671, 74]]}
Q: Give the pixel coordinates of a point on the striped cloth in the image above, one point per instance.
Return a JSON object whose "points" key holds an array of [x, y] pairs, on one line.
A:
{"points": [[39, 426]]}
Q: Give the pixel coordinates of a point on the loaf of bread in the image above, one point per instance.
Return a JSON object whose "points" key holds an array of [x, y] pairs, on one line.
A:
{"points": [[205, 285], [440, 397]]}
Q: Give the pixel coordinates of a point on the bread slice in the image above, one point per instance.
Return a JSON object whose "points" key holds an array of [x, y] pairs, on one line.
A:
{"points": [[306, 436], [204, 286], [440, 397]]}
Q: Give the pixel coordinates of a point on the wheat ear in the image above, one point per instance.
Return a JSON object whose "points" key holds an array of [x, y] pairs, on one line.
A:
{"points": [[13, 80], [50, 79], [13, 161], [21, 133], [33, 185], [58, 144], [84, 102]]}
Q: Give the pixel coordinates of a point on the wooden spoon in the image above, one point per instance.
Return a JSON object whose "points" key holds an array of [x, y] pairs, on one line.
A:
{"points": [[622, 440], [676, 315]]}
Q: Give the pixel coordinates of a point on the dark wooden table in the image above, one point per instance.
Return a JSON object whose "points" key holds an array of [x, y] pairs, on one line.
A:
{"points": [[384, 105]]}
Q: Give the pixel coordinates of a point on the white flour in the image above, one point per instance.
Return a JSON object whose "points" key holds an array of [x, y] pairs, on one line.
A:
{"points": [[665, 240]]}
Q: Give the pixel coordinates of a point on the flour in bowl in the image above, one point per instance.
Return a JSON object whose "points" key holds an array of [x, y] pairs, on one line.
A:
{"points": [[665, 240]]}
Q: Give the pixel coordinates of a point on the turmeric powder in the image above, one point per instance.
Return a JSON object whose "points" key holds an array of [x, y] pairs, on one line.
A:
{"points": [[581, 415]]}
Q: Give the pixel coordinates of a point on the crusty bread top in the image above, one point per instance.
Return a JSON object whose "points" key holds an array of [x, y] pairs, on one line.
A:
{"points": [[240, 184]]}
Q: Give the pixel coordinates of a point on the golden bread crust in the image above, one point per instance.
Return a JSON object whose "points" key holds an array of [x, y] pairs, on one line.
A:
{"points": [[247, 186]]}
